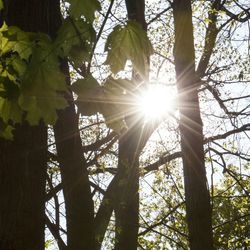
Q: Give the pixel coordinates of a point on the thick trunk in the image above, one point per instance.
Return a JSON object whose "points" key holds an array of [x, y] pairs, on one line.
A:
{"points": [[196, 190], [76, 186], [22, 189], [23, 160]]}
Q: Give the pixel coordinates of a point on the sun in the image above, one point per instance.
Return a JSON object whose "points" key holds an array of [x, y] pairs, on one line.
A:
{"points": [[156, 101]]}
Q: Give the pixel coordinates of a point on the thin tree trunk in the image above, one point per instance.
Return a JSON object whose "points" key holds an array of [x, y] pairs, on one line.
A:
{"points": [[127, 206], [196, 189], [23, 160], [130, 146], [76, 186]]}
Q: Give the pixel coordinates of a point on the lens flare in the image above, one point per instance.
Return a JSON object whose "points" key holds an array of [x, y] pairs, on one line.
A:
{"points": [[156, 101]]}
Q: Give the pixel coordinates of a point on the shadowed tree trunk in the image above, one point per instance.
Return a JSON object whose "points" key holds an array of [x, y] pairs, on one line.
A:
{"points": [[23, 160], [127, 203], [196, 189], [76, 186], [130, 146]]}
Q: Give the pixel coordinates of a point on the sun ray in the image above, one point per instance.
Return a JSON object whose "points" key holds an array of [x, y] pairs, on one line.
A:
{"points": [[156, 102]]}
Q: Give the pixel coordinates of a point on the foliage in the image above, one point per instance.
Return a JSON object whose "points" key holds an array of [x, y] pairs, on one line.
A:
{"points": [[30, 77], [231, 220], [84, 8], [128, 42], [75, 40]]}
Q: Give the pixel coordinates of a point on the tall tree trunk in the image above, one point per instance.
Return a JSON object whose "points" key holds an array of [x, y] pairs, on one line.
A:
{"points": [[196, 189], [23, 160], [22, 189], [76, 186], [127, 204], [130, 146]]}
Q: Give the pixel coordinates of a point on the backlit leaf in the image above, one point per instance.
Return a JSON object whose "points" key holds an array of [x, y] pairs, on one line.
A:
{"points": [[75, 40], [40, 84], [88, 91], [128, 42], [84, 8]]}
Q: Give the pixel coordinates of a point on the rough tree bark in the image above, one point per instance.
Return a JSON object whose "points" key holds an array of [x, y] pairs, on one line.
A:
{"points": [[196, 189], [23, 160]]}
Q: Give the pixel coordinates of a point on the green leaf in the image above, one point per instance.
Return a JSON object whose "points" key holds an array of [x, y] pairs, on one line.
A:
{"points": [[48, 243], [86, 8], [5, 44], [109, 100], [116, 104], [128, 42], [9, 108], [89, 95], [6, 131], [16, 40], [1, 4], [23, 45], [113, 118], [41, 84], [18, 64], [75, 40]]}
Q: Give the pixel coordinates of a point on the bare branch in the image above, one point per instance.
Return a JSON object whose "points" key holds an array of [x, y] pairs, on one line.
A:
{"points": [[158, 15], [243, 128], [55, 232], [238, 17], [161, 161], [210, 38]]}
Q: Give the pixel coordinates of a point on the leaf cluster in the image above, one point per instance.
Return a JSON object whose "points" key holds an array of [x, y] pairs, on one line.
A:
{"points": [[30, 77]]}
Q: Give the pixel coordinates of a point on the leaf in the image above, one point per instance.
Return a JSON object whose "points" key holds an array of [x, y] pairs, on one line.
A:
{"points": [[23, 45], [75, 40], [88, 91], [5, 44], [6, 131], [41, 84], [129, 42], [116, 104], [113, 119], [18, 64], [1, 4], [107, 100], [16, 40], [9, 108], [86, 8]]}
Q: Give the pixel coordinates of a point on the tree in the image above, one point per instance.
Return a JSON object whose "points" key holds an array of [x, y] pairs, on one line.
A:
{"points": [[102, 150], [196, 189], [23, 160]]}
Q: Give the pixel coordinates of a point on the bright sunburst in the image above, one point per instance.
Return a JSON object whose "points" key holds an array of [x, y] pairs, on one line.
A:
{"points": [[156, 101]]}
